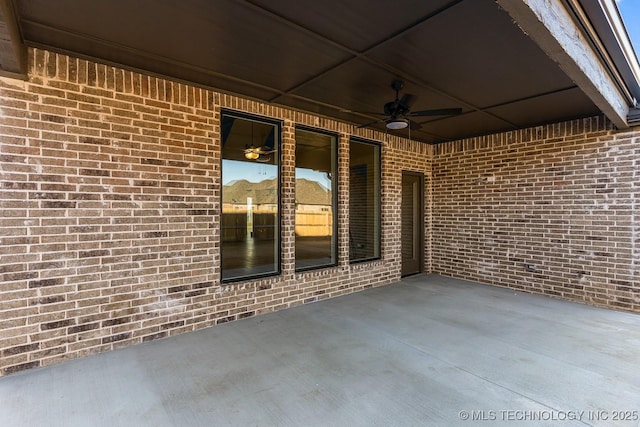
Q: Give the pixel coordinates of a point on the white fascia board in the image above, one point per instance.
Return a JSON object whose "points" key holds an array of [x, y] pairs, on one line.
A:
{"points": [[612, 15], [550, 25]]}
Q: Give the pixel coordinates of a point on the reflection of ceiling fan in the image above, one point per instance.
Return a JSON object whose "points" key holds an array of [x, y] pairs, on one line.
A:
{"points": [[251, 152], [398, 111]]}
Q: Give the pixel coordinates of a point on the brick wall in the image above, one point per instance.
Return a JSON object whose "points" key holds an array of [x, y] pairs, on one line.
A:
{"points": [[563, 198], [110, 199]]}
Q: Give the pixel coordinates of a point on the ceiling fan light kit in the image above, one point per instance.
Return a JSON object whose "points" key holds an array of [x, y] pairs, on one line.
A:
{"points": [[251, 155], [396, 124]]}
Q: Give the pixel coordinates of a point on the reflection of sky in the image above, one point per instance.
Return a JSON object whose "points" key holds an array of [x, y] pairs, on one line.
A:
{"points": [[233, 170]]}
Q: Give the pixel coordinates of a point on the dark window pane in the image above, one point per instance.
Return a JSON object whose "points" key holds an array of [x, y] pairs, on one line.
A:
{"points": [[250, 197], [315, 199], [364, 201]]}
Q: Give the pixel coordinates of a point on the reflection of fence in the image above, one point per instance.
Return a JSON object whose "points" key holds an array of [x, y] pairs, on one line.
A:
{"points": [[314, 223], [311, 220]]}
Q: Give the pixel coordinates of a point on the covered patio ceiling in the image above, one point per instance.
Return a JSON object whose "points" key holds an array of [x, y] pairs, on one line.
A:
{"points": [[330, 57]]}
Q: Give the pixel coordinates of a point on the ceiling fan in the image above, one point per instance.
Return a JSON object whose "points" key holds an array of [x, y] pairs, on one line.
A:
{"points": [[398, 112], [251, 152]]}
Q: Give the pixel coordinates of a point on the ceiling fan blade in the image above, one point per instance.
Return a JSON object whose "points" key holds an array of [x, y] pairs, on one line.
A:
{"points": [[265, 149], [414, 125], [407, 100], [438, 112], [366, 125]]}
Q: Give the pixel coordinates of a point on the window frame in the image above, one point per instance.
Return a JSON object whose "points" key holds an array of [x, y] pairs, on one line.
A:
{"points": [[378, 241], [334, 197], [278, 124]]}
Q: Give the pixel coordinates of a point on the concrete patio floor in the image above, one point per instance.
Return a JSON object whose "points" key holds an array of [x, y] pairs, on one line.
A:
{"points": [[429, 350]]}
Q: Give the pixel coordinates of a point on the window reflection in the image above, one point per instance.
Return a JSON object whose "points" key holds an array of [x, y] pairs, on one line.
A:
{"points": [[250, 197], [315, 222]]}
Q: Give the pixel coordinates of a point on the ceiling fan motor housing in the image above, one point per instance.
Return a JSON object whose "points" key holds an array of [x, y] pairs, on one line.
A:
{"points": [[395, 108]]}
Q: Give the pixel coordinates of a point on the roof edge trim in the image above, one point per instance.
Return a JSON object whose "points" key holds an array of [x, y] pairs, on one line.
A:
{"points": [[555, 28], [607, 26]]}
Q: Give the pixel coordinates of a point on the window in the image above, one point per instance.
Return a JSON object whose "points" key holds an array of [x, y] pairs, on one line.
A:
{"points": [[250, 232], [316, 196], [364, 201]]}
